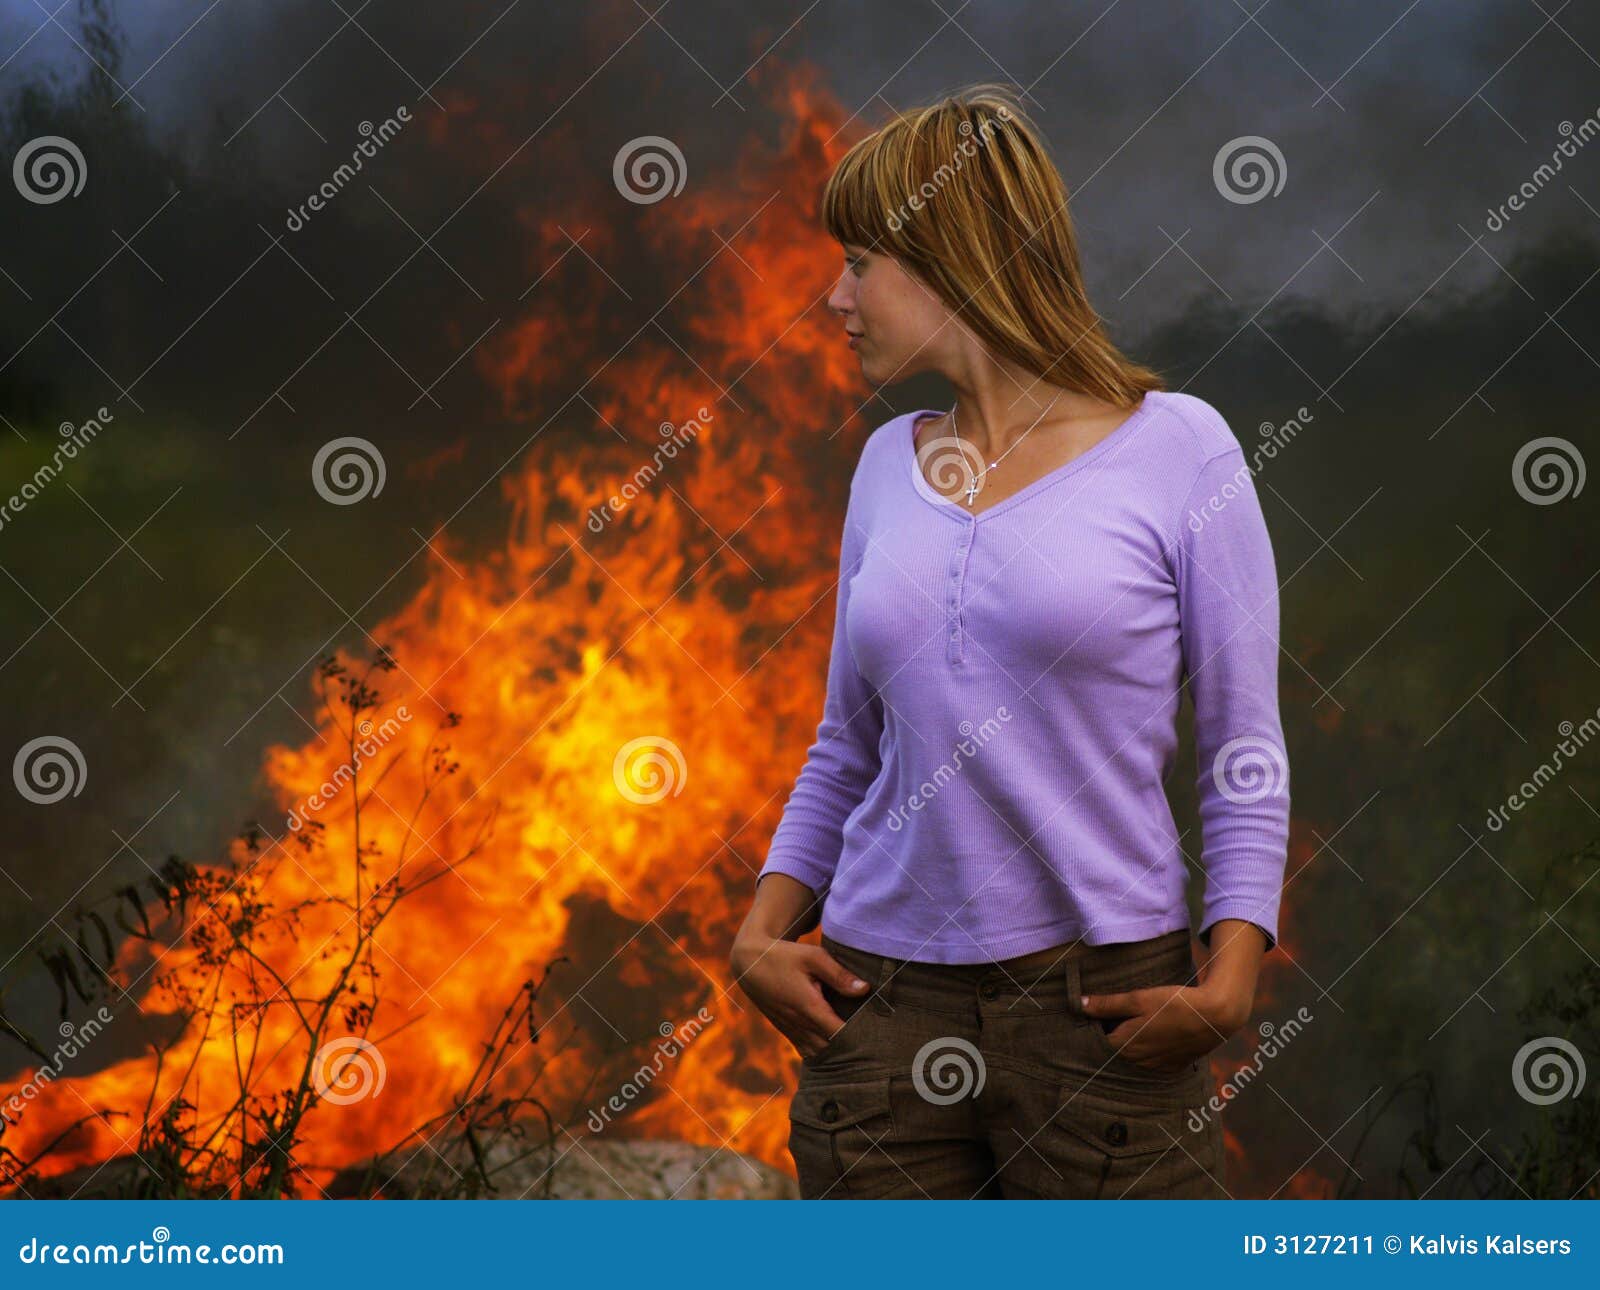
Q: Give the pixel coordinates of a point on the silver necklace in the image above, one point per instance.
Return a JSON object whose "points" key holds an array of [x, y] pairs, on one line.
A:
{"points": [[977, 484]]}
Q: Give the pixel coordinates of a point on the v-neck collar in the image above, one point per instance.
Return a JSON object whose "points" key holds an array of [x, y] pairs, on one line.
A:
{"points": [[956, 511]]}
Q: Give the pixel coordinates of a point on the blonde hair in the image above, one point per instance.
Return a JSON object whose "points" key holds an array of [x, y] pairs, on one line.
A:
{"points": [[963, 194]]}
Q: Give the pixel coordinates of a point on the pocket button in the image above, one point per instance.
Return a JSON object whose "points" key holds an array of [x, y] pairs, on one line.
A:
{"points": [[1116, 1133]]}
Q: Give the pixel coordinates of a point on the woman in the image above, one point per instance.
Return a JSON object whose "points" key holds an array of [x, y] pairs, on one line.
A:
{"points": [[1004, 1001]]}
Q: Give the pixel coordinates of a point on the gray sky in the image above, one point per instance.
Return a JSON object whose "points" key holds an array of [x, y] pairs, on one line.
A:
{"points": [[1400, 125]]}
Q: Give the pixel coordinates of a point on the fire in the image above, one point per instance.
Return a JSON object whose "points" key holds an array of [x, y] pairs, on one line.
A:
{"points": [[695, 618]]}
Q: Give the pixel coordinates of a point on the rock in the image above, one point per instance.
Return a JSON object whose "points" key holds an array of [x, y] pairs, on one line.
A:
{"points": [[119, 1178], [590, 1168]]}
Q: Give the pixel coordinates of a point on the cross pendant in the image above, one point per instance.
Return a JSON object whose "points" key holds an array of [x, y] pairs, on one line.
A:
{"points": [[977, 483]]}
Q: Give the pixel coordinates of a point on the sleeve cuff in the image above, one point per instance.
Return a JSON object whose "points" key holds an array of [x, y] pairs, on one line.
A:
{"points": [[800, 870], [1262, 916]]}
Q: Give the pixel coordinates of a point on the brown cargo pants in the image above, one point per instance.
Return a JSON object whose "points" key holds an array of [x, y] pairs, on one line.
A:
{"points": [[988, 1081]]}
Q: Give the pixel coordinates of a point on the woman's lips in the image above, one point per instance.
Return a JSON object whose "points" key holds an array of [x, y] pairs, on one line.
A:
{"points": [[855, 342]]}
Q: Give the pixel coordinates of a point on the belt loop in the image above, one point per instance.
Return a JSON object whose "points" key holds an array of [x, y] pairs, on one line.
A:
{"points": [[1074, 986], [880, 987]]}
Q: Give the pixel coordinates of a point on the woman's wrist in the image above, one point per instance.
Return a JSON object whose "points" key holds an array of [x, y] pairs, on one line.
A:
{"points": [[748, 947], [1226, 1004], [784, 909], [1228, 978]]}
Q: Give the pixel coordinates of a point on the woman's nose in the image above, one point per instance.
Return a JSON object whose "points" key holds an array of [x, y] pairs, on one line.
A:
{"points": [[841, 300]]}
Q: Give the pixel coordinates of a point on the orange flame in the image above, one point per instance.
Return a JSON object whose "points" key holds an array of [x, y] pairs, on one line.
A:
{"points": [[696, 617], [698, 613]]}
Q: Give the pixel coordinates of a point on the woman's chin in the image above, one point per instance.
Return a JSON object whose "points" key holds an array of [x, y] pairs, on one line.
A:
{"points": [[872, 369]]}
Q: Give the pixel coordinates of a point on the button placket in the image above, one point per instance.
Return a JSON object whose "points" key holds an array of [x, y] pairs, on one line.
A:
{"points": [[958, 568]]}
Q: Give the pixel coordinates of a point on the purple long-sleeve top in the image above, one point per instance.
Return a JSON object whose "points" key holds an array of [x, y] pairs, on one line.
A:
{"points": [[1002, 697]]}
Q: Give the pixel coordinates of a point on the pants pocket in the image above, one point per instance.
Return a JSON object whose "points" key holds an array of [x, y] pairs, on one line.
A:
{"points": [[835, 1134], [1123, 1070], [1136, 1152], [1176, 969], [852, 1009]]}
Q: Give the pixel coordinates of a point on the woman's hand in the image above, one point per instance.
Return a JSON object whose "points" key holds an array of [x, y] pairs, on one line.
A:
{"points": [[1169, 1026], [778, 974], [780, 977]]}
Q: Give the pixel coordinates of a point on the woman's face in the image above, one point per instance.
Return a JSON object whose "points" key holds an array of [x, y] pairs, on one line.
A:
{"points": [[901, 324]]}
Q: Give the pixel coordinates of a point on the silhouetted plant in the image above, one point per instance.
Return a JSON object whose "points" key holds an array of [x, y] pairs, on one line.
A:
{"points": [[247, 1147]]}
